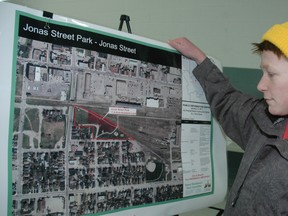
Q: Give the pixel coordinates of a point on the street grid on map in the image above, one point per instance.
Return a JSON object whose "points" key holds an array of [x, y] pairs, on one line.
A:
{"points": [[70, 156]]}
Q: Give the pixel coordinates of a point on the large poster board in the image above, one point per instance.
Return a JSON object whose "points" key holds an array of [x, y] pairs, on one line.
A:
{"points": [[97, 121]]}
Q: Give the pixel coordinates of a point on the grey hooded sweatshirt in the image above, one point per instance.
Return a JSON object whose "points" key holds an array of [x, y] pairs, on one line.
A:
{"points": [[261, 185]]}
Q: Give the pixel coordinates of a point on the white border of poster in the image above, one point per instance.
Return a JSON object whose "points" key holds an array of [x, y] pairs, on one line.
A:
{"points": [[7, 37]]}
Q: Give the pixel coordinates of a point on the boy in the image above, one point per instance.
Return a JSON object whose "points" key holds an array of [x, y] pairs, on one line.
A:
{"points": [[258, 126]]}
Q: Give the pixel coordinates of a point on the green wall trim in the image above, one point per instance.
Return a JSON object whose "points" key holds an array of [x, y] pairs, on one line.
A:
{"points": [[244, 79]]}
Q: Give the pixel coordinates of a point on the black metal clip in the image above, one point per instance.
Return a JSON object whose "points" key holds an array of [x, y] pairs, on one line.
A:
{"points": [[49, 16]]}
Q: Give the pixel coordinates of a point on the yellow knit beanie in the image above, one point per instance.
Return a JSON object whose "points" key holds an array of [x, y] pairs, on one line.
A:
{"points": [[278, 35]]}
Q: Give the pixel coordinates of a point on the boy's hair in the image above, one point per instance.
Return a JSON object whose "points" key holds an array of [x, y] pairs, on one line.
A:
{"points": [[265, 45]]}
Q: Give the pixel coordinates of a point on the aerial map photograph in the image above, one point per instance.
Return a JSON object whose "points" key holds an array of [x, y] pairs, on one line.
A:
{"points": [[93, 132]]}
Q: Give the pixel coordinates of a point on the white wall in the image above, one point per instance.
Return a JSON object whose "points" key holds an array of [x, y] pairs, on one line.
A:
{"points": [[224, 29]]}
